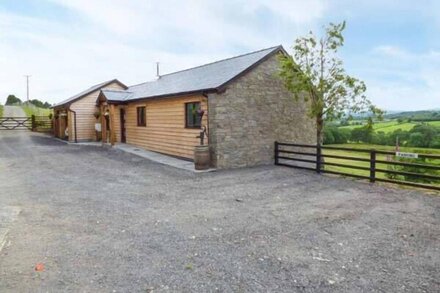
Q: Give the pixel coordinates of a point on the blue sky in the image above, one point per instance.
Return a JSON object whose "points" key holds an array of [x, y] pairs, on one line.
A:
{"points": [[69, 45]]}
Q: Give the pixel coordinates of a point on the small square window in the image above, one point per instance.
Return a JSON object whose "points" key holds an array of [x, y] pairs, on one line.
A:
{"points": [[141, 116], [192, 117]]}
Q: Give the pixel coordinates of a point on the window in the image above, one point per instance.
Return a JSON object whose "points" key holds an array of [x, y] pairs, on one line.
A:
{"points": [[191, 116], [141, 116]]}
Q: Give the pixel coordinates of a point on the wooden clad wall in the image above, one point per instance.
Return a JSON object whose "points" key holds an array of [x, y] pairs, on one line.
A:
{"points": [[117, 123], [165, 131], [85, 121]]}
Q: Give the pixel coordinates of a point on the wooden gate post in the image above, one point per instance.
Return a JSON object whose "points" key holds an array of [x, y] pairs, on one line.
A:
{"points": [[318, 158], [372, 165], [276, 153], [34, 126]]}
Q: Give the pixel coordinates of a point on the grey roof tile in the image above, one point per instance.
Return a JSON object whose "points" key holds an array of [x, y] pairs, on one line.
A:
{"points": [[86, 92], [205, 77]]}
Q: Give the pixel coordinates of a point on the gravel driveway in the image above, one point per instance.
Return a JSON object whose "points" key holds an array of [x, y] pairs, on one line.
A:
{"points": [[101, 220], [13, 111]]}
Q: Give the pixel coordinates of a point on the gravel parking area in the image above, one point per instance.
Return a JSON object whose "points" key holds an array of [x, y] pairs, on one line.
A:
{"points": [[101, 220]]}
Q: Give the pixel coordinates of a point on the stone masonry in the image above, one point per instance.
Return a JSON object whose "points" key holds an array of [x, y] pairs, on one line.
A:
{"points": [[254, 112]]}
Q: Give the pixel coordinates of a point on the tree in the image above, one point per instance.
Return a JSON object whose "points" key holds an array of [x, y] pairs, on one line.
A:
{"points": [[40, 104], [12, 100], [316, 74], [328, 136], [416, 140], [422, 135]]}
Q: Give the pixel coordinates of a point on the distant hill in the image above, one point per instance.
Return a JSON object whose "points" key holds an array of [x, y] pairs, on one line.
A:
{"points": [[423, 115]]}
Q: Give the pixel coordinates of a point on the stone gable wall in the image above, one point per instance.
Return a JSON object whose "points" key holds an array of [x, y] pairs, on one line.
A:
{"points": [[254, 112]]}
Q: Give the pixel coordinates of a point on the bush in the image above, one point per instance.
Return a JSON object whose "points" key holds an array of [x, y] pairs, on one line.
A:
{"points": [[328, 136], [336, 135], [413, 169]]}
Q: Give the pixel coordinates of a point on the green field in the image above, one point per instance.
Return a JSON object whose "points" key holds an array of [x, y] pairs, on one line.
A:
{"points": [[434, 123], [367, 156], [32, 110], [1, 111], [390, 126]]}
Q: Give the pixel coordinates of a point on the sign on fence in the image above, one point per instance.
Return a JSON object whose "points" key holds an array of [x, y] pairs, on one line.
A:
{"points": [[407, 155]]}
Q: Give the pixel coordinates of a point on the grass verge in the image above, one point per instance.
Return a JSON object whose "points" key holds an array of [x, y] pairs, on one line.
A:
{"points": [[32, 110]]}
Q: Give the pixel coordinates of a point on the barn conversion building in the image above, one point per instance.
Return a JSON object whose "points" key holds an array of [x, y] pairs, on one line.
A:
{"points": [[75, 117], [244, 103], [246, 108]]}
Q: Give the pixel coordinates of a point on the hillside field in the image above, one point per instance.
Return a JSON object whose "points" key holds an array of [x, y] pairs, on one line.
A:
{"points": [[33, 110], [392, 125]]}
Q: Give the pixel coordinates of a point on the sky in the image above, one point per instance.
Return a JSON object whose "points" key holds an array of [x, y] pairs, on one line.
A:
{"points": [[69, 45]]}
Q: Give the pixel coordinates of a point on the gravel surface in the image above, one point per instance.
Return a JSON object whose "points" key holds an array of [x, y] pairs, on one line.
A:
{"points": [[101, 220]]}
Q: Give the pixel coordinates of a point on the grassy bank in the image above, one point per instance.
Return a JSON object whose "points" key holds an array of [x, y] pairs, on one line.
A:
{"points": [[1, 111], [32, 110]]}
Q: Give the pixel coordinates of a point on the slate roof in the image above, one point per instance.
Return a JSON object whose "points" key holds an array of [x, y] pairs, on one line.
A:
{"points": [[208, 77], [87, 91]]}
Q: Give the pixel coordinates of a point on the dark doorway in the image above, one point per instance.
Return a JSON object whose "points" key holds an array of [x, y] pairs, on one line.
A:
{"points": [[122, 117]]}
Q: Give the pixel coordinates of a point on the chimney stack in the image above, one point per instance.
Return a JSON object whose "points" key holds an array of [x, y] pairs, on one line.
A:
{"points": [[157, 70]]}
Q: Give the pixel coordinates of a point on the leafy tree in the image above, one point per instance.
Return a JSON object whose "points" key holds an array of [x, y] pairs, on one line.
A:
{"points": [[416, 139], [425, 135], [399, 134], [369, 130], [12, 100], [40, 104], [379, 138], [328, 136], [316, 74], [344, 122], [359, 134], [435, 143]]}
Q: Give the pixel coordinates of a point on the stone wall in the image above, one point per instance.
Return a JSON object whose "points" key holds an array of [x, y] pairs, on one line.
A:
{"points": [[254, 112]]}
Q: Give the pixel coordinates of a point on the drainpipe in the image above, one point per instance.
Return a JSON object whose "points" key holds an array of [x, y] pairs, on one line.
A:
{"points": [[207, 118], [74, 123]]}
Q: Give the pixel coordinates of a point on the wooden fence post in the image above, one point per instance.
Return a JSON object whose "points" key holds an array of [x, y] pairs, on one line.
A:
{"points": [[318, 158], [33, 123], [372, 165], [276, 153]]}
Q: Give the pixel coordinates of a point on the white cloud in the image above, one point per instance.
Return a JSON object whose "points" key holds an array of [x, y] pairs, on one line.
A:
{"points": [[404, 79], [104, 39]]}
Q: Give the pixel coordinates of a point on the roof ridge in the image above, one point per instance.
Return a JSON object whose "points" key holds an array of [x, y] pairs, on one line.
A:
{"points": [[221, 60], [137, 84], [113, 90], [210, 63]]}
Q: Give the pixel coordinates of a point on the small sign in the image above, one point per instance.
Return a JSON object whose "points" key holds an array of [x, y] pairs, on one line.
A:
{"points": [[407, 155], [98, 127]]}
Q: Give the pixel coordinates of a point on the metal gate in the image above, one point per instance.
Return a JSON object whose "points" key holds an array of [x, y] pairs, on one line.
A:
{"points": [[15, 123]]}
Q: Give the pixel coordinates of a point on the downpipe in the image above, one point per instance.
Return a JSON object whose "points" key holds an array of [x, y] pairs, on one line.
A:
{"points": [[74, 123]]}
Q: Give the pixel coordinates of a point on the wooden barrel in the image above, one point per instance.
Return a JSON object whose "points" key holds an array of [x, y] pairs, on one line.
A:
{"points": [[202, 159]]}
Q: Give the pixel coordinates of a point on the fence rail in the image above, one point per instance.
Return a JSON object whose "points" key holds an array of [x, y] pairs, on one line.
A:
{"points": [[371, 166], [34, 123], [42, 123]]}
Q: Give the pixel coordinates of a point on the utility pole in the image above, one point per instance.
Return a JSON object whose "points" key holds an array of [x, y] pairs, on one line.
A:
{"points": [[27, 86]]}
